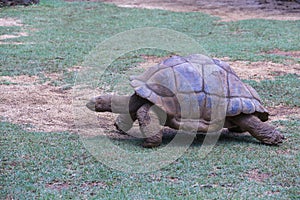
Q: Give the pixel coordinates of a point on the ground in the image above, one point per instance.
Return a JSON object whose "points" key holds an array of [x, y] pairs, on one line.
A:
{"points": [[47, 116], [42, 48]]}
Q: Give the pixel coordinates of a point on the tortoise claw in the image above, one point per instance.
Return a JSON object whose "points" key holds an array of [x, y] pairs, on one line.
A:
{"points": [[275, 139], [150, 144], [153, 141]]}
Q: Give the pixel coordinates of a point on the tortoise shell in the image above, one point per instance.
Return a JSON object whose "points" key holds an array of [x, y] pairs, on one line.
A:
{"points": [[198, 89]]}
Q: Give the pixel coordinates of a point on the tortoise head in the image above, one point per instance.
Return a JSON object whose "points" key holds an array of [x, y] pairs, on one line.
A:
{"points": [[100, 103]]}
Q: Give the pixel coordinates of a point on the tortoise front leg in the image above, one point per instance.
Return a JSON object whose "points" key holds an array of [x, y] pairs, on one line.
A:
{"points": [[258, 129], [124, 122], [149, 126]]}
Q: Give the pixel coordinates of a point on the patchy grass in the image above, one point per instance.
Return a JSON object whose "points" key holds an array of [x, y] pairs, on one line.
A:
{"points": [[61, 34], [56, 165], [284, 90], [37, 165]]}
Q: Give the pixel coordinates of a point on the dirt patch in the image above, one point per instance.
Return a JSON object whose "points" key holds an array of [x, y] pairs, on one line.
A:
{"points": [[227, 10], [282, 112], [14, 43], [60, 185], [12, 36], [10, 22], [257, 176], [6, 36], [295, 54], [22, 79], [39, 107], [262, 70], [150, 61], [57, 185], [47, 108]]}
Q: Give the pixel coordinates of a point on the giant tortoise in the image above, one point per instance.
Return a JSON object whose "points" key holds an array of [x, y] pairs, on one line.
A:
{"points": [[192, 93]]}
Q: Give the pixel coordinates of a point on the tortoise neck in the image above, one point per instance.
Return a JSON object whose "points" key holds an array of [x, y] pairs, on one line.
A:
{"points": [[126, 104], [120, 104]]}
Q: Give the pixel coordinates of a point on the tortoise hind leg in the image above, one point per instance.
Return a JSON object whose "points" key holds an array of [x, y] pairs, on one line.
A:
{"points": [[258, 129], [149, 126]]}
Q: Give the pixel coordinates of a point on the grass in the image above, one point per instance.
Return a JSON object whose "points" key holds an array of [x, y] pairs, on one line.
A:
{"points": [[61, 34], [56, 165], [36, 165], [284, 90]]}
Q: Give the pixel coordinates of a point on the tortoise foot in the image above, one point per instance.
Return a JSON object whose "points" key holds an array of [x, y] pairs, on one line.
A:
{"points": [[119, 130], [150, 144], [262, 131], [153, 141], [276, 138], [123, 123]]}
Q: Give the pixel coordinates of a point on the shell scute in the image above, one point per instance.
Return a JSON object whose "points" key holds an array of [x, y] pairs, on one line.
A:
{"points": [[188, 78], [173, 61], [224, 66], [171, 105], [237, 88], [214, 80], [143, 91], [248, 106], [164, 78], [234, 107]]}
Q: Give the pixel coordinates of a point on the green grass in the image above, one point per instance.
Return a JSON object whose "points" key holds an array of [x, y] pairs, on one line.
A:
{"points": [[284, 90], [36, 165], [61, 34], [56, 165]]}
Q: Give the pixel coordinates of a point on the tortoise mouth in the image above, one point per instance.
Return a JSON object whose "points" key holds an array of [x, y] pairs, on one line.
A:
{"points": [[91, 104]]}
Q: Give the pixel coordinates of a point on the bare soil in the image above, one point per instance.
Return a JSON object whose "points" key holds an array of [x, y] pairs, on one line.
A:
{"points": [[40, 107], [9, 22], [6, 36], [227, 10], [257, 176], [263, 70]]}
